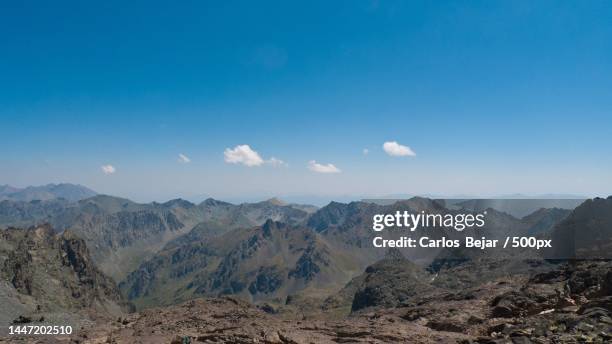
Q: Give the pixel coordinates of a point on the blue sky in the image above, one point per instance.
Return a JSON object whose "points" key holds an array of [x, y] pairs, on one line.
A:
{"points": [[493, 97]]}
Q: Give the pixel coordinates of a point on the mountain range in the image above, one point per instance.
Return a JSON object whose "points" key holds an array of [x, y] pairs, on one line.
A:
{"points": [[110, 255], [69, 192], [123, 233]]}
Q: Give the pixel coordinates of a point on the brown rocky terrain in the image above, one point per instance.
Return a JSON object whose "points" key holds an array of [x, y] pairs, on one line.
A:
{"points": [[568, 304]]}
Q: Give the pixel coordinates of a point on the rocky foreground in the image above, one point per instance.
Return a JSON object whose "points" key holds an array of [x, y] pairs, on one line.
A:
{"points": [[569, 304]]}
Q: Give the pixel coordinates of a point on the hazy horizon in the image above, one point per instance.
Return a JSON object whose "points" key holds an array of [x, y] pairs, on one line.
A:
{"points": [[321, 200]]}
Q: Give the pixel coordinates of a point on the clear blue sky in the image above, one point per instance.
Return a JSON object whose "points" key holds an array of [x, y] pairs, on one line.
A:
{"points": [[493, 97]]}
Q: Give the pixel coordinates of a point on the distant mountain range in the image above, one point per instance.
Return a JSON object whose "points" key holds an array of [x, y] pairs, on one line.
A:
{"points": [[69, 192], [517, 207], [123, 233]]}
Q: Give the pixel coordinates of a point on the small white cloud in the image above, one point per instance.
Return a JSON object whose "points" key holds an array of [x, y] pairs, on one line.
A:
{"points": [[366, 151], [322, 168], [274, 162], [243, 154], [108, 169], [395, 149], [184, 159]]}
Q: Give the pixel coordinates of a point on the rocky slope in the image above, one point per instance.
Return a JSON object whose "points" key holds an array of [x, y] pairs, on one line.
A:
{"points": [[544, 219], [499, 261], [586, 233], [571, 303], [25, 214], [348, 227], [265, 263], [385, 284], [48, 275]]}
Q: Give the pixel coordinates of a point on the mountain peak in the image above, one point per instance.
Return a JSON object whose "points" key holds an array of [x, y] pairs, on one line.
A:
{"points": [[178, 202], [276, 201], [213, 202]]}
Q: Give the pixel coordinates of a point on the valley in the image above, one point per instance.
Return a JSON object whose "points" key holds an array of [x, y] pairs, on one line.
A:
{"points": [[271, 270]]}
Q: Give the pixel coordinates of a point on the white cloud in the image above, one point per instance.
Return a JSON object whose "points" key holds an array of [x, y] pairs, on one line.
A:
{"points": [[274, 162], [395, 149], [182, 158], [366, 151], [108, 169], [243, 154], [321, 168]]}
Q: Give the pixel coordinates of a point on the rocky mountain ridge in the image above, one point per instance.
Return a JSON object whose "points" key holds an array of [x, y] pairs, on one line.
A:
{"points": [[46, 275], [264, 263], [123, 233]]}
